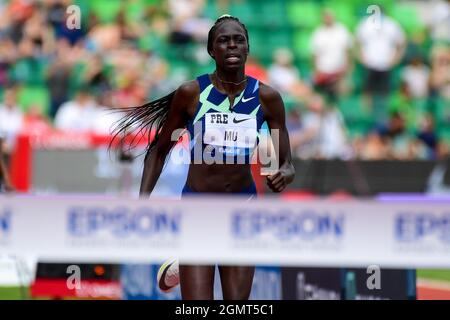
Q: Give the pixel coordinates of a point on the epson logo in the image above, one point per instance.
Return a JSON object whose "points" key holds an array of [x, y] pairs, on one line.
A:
{"points": [[5, 222], [413, 227], [287, 224], [122, 221]]}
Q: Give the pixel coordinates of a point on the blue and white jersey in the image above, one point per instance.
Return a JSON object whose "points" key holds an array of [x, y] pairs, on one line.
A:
{"points": [[219, 132]]}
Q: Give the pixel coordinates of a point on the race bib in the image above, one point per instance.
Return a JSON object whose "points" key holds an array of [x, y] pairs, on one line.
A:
{"points": [[230, 130]]}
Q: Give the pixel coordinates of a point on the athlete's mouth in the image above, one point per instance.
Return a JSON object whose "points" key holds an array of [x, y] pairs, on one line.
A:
{"points": [[232, 58]]}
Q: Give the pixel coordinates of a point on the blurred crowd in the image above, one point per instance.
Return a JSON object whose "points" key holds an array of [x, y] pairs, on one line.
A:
{"points": [[375, 92], [402, 112]]}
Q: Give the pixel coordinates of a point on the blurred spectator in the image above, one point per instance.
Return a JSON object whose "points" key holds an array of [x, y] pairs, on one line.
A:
{"points": [[440, 21], [17, 12], [130, 29], [440, 71], [381, 46], [418, 44], [156, 70], [8, 54], [187, 23], [373, 147], [58, 76], [77, 115], [11, 119], [330, 44], [56, 11], [415, 77], [158, 23], [103, 37], [26, 67], [40, 34], [284, 76], [57, 17], [293, 121], [401, 144], [323, 133], [410, 109], [95, 76], [427, 135], [105, 116], [130, 90]]}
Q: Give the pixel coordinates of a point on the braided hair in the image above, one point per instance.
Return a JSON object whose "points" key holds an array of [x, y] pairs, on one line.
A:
{"points": [[146, 120], [149, 118]]}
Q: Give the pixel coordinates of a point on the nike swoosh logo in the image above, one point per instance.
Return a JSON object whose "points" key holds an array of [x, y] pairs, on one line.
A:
{"points": [[247, 100], [241, 120]]}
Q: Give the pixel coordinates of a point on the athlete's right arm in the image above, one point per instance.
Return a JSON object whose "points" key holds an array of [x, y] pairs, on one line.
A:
{"points": [[183, 102]]}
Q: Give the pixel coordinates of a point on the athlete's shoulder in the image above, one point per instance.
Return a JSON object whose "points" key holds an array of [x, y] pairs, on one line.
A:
{"points": [[186, 96], [189, 89], [268, 93]]}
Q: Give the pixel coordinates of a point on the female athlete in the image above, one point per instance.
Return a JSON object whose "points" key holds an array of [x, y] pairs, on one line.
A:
{"points": [[223, 113]]}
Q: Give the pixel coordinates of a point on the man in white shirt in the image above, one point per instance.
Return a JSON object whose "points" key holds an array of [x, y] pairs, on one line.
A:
{"points": [[78, 114], [416, 78], [284, 75], [11, 119], [439, 21], [11, 122], [330, 44], [381, 43], [323, 134]]}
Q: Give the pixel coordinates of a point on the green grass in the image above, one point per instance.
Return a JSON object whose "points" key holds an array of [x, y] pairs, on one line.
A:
{"points": [[14, 293], [434, 274]]}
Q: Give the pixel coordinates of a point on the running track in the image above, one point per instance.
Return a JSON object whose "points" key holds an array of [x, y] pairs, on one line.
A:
{"points": [[433, 290]]}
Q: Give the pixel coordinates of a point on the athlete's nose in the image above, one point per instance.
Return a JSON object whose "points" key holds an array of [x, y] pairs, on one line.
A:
{"points": [[232, 43]]}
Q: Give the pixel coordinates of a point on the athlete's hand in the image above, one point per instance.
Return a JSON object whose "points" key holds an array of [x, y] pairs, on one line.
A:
{"points": [[9, 188], [277, 182]]}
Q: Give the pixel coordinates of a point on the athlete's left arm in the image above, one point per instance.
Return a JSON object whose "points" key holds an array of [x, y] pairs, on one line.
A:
{"points": [[274, 114]]}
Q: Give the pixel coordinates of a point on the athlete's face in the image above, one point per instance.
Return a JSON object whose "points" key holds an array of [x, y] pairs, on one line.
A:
{"points": [[230, 46]]}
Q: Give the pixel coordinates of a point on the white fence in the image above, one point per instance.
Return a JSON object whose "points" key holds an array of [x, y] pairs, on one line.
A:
{"points": [[227, 230]]}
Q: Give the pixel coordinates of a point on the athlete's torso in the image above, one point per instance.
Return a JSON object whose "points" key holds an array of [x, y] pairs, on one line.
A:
{"points": [[220, 134]]}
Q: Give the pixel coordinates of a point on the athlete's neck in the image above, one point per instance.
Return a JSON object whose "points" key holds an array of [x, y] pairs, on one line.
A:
{"points": [[230, 83]]}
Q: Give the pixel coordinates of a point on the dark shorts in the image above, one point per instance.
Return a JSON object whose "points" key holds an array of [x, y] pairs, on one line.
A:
{"points": [[250, 191], [377, 81]]}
